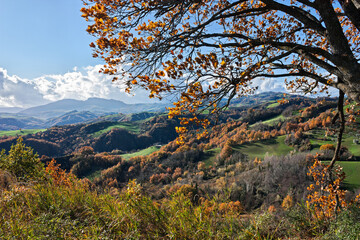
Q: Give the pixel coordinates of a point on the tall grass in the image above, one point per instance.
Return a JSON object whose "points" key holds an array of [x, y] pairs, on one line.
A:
{"points": [[46, 211], [75, 211]]}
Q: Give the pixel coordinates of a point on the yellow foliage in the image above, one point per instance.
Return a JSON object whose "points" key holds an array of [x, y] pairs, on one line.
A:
{"points": [[287, 202], [327, 147], [325, 195], [58, 175]]}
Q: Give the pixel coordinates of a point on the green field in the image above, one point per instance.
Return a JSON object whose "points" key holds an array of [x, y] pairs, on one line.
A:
{"points": [[272, 105], [142, 152], [273, 146], [276, 146], [271, 121], [130, 126], [352, 176], [210, 156], [20, 132], [274, 120], [352, 170], [317, 139], [95, 173]]}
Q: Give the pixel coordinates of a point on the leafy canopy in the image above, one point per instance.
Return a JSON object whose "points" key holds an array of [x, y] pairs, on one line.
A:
{"points": [[213, 49]]}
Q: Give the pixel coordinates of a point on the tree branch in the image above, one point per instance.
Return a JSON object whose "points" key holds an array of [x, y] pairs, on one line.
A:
{"points": [[352, 12], [301, 15]]}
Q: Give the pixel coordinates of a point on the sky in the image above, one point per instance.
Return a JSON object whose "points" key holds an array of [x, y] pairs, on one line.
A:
{"points": [[41, 37], [45, 56]]}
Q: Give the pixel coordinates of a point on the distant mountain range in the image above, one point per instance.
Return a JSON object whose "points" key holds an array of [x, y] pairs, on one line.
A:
{"points": [[10, 109], [70, 111], [97, 106], [71, 118], [263, 97]]}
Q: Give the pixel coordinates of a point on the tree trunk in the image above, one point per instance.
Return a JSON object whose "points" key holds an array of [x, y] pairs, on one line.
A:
{"points": [[341, 129], [336, 156]]}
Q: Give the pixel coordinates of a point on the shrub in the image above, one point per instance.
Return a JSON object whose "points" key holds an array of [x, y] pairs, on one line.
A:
{"points": [[22, 162], [327, 147], [287, 202], [192, 193], [177, 173], [276, 175], [328, 153], [86, 150], [231, 207], [58, 175], [163, 178], [85, 164]]}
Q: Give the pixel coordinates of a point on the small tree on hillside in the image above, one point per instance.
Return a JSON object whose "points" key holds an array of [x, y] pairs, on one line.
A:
{"points": [[22, 162]]}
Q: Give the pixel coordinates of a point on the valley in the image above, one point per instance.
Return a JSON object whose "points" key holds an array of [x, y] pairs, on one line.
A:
{"points": [[133, 136], [256, 154]]}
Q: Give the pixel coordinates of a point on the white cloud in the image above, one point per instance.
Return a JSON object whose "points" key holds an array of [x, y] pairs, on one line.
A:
{"points": [[79, 84], [82, 84], [269, 84], [17, 92], [278, 85]]}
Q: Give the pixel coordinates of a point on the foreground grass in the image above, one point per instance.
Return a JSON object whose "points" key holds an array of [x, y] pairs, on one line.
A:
{"points": [[48, 211], [44, 211], [20, 132]]}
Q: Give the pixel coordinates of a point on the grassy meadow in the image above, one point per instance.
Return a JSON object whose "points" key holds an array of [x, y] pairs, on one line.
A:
{"points": [[20, 132], [142, 152], [133, 127]]}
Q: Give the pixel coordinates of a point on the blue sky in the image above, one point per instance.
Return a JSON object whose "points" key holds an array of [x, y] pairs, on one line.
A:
{"points": [[41, 37], [45, 56]]}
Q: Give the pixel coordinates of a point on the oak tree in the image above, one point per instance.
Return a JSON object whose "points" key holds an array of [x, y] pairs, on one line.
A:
{"points": [[211, 50]]}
